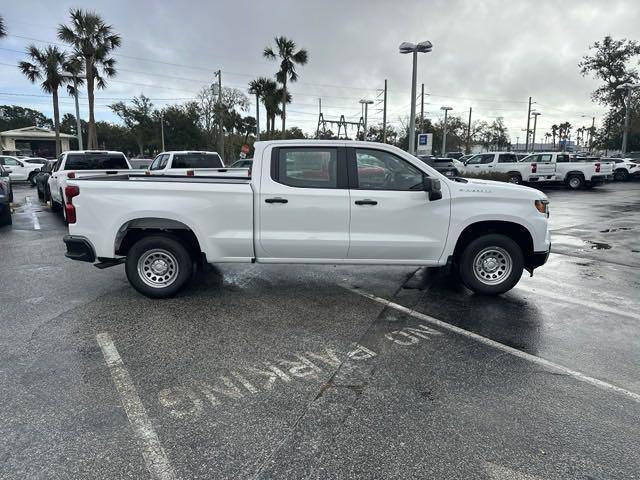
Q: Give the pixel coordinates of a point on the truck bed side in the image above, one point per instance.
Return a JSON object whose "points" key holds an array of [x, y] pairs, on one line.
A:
{"points": [[218, 212]]}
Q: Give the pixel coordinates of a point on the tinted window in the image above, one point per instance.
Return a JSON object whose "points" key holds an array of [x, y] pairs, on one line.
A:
{"points": [[196, 160], [46, 168], [11, 162], [378, 170], [559, 159], [478, 159], [156, 163], [507, 158], [308, 167], [96, 161], [164, 159]]}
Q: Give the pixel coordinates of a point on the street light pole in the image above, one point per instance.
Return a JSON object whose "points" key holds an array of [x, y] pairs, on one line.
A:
{"points": [[366, 104], [220, 113], [444, 130], [535, 123], [406, 47], [162, 129], [526, 141], [75, 97]]}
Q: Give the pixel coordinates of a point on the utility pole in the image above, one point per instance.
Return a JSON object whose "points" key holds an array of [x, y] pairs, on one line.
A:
{"points": [[444, 130], [526, 142], [535, 123], [412, 119], [384, 114], [220, 114], [625, 133], [78, 124], [422, 110], [162, 129], [593, 127], [468, 149], [257, 118], [365, 104]]}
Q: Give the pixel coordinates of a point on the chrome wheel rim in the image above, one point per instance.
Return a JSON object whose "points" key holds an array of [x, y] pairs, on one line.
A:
{"points": [[574, 182], [158, 268], [492, 265]]}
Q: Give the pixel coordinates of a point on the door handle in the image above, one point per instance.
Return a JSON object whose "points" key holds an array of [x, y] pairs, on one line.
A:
{"points": [[366, 202], [276, 200], [490, 166]]}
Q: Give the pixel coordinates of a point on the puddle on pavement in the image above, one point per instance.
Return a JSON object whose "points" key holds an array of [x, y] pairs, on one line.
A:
{"points": [[598, 245], [570, 241], [619, 229]]}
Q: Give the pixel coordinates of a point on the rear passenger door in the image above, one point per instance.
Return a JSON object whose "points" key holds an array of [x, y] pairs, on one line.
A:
{"points": [[303, 204]]}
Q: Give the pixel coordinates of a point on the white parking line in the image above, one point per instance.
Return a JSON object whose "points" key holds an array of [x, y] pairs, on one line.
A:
{"points": [[512, 351], [34, 217], [575, 301], [154, 455]]}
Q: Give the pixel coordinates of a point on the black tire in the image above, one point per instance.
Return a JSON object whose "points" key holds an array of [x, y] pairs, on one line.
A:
{"points": [[575, 182], [40, 193], [508, 260], [169, 250], [10, 194], [5, 216], [515, 178], [621, 175], [32, 179]]}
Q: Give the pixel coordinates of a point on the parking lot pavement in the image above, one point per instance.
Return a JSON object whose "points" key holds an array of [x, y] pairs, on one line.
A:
{"points": [[287, 372]]}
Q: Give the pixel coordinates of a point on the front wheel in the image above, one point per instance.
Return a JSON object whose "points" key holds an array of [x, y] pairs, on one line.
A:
{"points": [[515, 178], [158, 266], [491, 264], [621, 175]]}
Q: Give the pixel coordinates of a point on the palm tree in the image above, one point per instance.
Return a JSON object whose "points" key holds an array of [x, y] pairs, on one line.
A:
{"points": [[47, 65], [92, 40], [260, 87], [289, 58], [554, 133], [547, 136], [3, 30]]}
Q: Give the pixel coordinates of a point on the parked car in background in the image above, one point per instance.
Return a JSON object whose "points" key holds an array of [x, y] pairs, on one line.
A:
{"points": [[35, 160], [19, 169], [310, 201], [42, 178], [242, 163], [6, 197], [179, 162], [507, 164], [456, 155], [624, 168], [140, 163], [574, 174], [443, 165], [82, 163]]}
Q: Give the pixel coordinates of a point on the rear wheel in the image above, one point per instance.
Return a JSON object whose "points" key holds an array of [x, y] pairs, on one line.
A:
{"points": [[5, 216], [158, 266], [575, 182], [32, 179], [491, 264]]}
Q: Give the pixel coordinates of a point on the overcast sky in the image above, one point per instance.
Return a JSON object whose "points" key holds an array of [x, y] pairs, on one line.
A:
{"points": [[490, 54]]}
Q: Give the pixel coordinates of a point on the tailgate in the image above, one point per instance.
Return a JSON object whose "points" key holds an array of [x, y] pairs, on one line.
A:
{"points": [[99, 173]]}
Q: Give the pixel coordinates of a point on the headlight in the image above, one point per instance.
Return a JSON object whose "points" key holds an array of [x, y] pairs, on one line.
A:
{"points": [[542, 206]]}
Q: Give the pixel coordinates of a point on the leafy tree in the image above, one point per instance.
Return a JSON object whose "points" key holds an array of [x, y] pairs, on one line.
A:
{"points": [[93, 41], [181, 126], [232, 100], [3, 30], [115, 137], [289, 58], [13, 116], [47, 66], [554, 134], [499, 134], [136, 117]]}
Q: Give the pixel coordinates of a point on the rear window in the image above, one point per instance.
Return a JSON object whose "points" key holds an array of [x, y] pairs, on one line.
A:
{"points": [[96, 161], [196, 160]]}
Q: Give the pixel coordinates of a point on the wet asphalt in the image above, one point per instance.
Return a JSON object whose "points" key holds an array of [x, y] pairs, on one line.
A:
{"points": [[288, 372]]}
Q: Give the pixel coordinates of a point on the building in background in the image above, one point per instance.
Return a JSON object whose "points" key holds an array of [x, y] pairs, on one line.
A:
{"points": [[33, 141]]}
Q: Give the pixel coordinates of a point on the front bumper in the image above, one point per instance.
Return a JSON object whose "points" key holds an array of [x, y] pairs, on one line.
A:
{"points": [[79, 248], [538, 259]]}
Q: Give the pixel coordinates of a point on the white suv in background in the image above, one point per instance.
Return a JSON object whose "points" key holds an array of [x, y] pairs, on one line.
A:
{"points": [[624, 168], [19, 169]]}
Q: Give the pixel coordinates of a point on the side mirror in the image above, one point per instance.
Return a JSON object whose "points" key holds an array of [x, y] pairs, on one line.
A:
{"points": [[7, 172], [4, 173], [432, 187]]}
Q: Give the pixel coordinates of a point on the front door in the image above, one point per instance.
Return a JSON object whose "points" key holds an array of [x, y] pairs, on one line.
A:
{"points": [[391, 216], [15, 167], [303, 204]]}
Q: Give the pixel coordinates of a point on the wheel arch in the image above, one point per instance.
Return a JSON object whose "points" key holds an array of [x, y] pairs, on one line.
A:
{"points": [[516, 231], [133, 230]]}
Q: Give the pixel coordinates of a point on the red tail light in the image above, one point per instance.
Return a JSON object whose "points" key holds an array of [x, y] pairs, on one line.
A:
{"points": [[190, 173], [597, 168], [534, 167], [70, 191], [71, 175]]}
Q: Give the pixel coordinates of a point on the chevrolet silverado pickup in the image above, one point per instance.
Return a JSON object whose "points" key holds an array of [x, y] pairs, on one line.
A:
{"points": [[309, 202], [517, 171], [574, 174]]}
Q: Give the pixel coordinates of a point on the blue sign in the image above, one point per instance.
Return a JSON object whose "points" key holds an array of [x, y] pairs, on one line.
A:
{"points": [[423, 139]]}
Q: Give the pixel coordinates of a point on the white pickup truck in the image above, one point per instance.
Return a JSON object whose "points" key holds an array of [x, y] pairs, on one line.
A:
{"points": [[574, 174], [179, 163], [81, 163], [19, 169], [309, 202], [507, 163]]}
